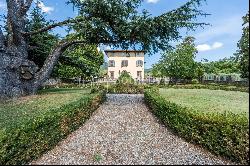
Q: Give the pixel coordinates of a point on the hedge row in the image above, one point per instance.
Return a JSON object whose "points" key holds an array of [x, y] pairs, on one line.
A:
{"points": [[209, 86], [120, 89], [223, 134], [24, 143]]}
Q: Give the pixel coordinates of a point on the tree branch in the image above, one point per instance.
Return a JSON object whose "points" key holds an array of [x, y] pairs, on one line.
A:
{"points": [[69, 21], [51, 61], [26, 7], [2, 40]]}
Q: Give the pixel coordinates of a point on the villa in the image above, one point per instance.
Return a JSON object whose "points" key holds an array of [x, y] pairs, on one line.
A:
{"points": [[131, 61]]}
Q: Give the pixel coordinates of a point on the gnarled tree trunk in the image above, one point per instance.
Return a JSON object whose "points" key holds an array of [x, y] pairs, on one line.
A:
{"points": [[16, 71], [18, 75]]}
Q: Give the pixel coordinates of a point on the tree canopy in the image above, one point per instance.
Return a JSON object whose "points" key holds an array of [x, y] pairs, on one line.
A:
{"points": [[242, 53], [179, 63], [110, 22], [226, 66], [76, 61]]}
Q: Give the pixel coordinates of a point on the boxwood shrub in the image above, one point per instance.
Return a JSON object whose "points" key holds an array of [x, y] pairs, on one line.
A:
{"points": [[120, 88], [209, 86], [223, 134], [28, 141]]}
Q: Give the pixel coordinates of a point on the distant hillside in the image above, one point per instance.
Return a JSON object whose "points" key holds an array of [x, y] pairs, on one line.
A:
{"points": [[148, 70], [104, 66]]}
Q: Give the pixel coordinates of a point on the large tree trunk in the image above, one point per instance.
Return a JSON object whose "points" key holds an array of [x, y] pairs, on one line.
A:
{"points": [[16, 71], [18, 75]]}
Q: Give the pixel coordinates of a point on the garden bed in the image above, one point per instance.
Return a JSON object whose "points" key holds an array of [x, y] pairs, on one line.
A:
{"points": [[208, 86], [35, 124], [225, 134]]}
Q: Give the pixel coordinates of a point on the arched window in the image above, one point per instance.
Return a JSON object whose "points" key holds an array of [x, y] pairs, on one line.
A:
{"points": [[139, 63], [111, 63]]}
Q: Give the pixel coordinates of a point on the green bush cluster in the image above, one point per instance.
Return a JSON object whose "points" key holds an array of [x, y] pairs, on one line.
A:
{"points": [[65, 85], [125, 84], [223, 134], [119, 89], [125, 89], [209, 86], [28, 141], [125, 79]]}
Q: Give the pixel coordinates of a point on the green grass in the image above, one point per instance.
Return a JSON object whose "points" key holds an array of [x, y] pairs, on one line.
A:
{"points": [[14, 112], [209, 100]]}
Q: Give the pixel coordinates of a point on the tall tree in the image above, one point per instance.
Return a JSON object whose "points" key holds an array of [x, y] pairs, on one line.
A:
{"points": [[40, 44], [79, 61], [242, 53], [115, 22], [179, 63]]}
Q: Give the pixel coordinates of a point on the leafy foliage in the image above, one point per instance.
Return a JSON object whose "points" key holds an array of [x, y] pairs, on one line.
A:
{"points": [[210, 86], [226, 65], [121, 24], [79, 61], [242, 54], [125, 78], [225, 134], [40, 45], [179, 63]]}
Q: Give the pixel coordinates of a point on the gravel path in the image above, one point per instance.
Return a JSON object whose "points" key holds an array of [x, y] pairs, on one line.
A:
{"points": [[123, 131]]}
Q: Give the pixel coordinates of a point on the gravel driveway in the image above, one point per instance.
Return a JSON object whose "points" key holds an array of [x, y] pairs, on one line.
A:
{"points": [[123, 131]]}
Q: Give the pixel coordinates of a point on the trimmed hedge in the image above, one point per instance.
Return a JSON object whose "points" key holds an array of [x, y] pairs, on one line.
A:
{"points": [[120, 89], [209, 86], [27, 142], [223, 134]]}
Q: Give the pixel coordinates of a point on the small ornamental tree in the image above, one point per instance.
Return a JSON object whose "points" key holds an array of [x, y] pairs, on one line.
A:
{"points": [[109, 22], [125, 78]]}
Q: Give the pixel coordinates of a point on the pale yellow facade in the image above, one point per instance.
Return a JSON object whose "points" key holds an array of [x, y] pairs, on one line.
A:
{"points": [[133, 60]]}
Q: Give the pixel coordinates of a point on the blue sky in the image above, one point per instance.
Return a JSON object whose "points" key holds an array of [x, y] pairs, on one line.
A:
{"points": [[213, 42]]}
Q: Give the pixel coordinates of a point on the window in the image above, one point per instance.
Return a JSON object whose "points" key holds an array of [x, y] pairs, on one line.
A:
{"points": [[112, 74], [139, 73], [139, 63], [111, 63], [124, 63]]}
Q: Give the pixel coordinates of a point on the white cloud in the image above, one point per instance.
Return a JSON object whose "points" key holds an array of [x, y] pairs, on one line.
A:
{"points": [[152, 1], [230, 27], [217, 45], [203, 47], [207, 47], [44, 8]]}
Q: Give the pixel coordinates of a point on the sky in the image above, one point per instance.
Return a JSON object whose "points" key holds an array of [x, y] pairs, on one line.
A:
{"points": [[213, 42]]}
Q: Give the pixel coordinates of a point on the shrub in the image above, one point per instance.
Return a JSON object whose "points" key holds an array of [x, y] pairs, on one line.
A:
{"points": [[195, 81], [210, 86], [162, 82], [23, 143], [125, 89], [125, 79], [224, 134]]}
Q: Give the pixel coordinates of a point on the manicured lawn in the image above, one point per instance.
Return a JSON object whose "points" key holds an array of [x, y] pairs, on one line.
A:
{"points": [[14, 112], [209, 100]]}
